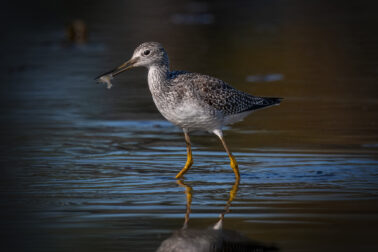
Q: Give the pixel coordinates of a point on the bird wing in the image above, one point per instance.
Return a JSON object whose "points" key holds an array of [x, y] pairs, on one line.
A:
{"points": [[221, 96]]}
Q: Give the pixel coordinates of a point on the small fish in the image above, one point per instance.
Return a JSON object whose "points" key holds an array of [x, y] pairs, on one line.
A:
{"points": [[106, 79]]}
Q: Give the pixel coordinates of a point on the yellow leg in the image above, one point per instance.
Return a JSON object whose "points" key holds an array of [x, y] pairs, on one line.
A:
{"points": [[189, 160], [233, 163]]}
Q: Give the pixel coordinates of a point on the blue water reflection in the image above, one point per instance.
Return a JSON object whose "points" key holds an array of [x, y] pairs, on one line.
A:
{"points": [[90, 169]]}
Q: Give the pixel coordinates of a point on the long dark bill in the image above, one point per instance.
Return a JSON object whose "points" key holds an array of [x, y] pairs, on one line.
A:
{"points": [[127, 65]]}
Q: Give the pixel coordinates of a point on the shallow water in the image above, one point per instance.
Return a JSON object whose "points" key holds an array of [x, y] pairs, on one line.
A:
{"points": [[90, 169]]}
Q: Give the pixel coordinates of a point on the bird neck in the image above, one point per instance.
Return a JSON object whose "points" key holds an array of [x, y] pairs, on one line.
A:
{"points": [[158, 77]]}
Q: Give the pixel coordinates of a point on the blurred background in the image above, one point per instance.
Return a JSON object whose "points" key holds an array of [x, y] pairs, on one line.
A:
{"points": [[90, 169]]}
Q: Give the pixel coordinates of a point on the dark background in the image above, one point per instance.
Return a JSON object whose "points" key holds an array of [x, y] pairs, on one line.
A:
{"points": [[68, 144]]}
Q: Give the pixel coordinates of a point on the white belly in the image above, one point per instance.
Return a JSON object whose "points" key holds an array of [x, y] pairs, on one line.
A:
{"points": [[192, 116]]}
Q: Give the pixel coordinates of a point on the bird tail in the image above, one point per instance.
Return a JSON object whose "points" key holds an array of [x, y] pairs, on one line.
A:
{"points": [[273, 100], [265, 102]]}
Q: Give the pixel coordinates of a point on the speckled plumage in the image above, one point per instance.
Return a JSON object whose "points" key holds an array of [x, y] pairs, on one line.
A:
{"points": [[192, 101], [216, 102], [219, 95]]}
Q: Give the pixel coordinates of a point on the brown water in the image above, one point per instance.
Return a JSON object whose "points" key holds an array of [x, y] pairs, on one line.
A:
{"points": [[90, 169]]}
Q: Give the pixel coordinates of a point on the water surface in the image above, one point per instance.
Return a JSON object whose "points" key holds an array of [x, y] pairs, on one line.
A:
{"points": [[90, 169]]}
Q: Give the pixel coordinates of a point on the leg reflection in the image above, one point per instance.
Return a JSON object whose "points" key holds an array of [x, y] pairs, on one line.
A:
{"points": [[188, 193], [232, 196], [210, 239]]}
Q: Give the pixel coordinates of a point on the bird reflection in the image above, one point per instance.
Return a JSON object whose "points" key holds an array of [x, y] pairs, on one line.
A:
{"points": [[213, 239]]}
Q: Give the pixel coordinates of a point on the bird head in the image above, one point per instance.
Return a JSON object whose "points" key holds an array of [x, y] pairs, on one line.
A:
{"points": [[147, 54]]}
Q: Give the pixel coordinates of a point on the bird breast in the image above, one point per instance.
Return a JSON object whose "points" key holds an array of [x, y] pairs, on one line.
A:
{"points": [[189, 114], [179, 104]]}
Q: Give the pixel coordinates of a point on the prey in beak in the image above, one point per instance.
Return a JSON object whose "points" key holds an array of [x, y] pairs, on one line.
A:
{"points": [[108, 76]]}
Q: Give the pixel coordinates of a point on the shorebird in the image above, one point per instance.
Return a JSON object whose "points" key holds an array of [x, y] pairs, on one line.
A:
{"points": [[191, 101]]}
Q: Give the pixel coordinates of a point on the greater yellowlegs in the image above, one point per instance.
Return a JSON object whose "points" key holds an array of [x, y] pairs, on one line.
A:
{"points": [[191, 101]]}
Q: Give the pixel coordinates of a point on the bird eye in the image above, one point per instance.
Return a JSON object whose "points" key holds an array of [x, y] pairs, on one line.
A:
{"points": [[146, 52]]}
